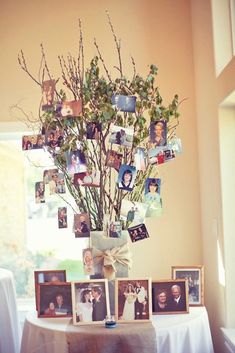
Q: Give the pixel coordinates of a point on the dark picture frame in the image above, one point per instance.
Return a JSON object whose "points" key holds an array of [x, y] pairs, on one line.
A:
{"points": [[195, 277], [90, 301], [133, 300], [164, 293], [47, 276], [54, 299]]}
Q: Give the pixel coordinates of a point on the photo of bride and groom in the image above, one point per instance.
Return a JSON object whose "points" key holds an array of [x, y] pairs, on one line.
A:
{"points": [[133, 298], [90, 301]]}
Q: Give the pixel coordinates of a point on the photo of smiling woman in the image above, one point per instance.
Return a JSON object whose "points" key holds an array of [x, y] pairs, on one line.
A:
{"points": [[126, 177]]}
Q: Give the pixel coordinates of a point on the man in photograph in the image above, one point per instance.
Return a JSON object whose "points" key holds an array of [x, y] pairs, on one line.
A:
{"points": [[99, 304], [140, 302], [60, 308], [177, 302]]}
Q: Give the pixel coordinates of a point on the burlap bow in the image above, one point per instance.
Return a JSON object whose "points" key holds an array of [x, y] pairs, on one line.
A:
{"points": [[108, 258]]}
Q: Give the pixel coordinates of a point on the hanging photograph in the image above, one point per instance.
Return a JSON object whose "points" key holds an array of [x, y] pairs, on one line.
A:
{"points": [[133, 212], [48, 92], [93, 130], [126, 177], [76, 161], [152, 197], [54, 138], [62, 217], [90, 301], [113, 159], [121, 136], [138, 232], [71, 108], [133, 300], [45, 276], [60, 184], [33, 142], [158, 133], [88, 266], [55, 299], [39, 192], [82, 225], [195, 277], [124, 103], [141, 159], [175, 144], [115, 229], [170, 296]]}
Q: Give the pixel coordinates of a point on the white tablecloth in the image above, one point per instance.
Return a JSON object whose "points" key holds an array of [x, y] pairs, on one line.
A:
{"points": [[182, 333], [9, 323]]}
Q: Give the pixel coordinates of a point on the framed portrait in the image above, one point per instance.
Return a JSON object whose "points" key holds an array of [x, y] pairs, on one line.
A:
{"points": [[54, 299], [133, 299], [195, 277], [170, 296], [90, 301], [47, 276]]}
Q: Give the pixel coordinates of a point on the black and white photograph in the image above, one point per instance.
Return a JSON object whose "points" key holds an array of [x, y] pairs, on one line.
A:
{"points": [[90, 300]]}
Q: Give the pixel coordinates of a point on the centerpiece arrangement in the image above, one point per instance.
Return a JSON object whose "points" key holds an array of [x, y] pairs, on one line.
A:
{"points": [[106, 135]]}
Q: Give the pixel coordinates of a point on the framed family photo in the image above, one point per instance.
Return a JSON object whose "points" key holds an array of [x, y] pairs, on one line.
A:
{"points": [[133, 300], [47, 276], [170, 296], [195, 277], [90, 301], [54, 299]]}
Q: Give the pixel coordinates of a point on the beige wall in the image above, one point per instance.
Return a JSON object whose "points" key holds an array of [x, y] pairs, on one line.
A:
{"points": [[152, 32]]}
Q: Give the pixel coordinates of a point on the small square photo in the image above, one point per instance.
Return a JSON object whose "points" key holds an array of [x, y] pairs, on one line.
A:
{"points": [[138, 232]]}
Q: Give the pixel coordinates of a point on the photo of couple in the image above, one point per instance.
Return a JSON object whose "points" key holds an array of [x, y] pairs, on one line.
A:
{"points": [[170, 297], [90, 301], [133, 298]]}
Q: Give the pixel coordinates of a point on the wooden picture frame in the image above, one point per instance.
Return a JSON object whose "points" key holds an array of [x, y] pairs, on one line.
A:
{"points": [[133, 300], [54, 299], [46, 276], [195, 276], [170, 296], [90, 301]]}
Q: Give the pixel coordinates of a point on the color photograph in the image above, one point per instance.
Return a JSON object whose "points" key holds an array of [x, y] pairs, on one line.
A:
{"points": [[121, 136], [126, 177], [82, 225]]}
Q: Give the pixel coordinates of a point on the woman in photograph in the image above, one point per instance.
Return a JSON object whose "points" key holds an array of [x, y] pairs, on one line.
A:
{"points": [[125, 183], [159, 138], [129, 305], [152, 195], [88, 262], [161, 303], [85, 307], [50, 310]]}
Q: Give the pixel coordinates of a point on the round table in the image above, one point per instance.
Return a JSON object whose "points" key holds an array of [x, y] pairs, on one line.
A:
{"points": [[9, 323], [180, 333]]}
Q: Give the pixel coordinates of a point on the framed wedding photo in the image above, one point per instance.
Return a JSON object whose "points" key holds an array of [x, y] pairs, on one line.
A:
{"points": [[54, 299], [170, 296], [133, 300], [90, 301], [195, 277], [46, 276]]}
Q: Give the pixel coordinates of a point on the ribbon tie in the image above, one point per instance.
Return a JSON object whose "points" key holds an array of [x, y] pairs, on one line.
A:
{"points": [[109, 257]]}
